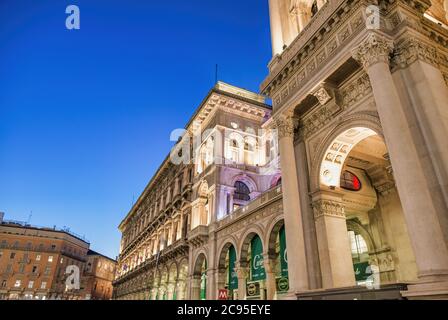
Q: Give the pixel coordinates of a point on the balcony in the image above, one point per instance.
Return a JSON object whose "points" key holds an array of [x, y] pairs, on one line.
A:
{"points": [[263, 199], [198, 235]]}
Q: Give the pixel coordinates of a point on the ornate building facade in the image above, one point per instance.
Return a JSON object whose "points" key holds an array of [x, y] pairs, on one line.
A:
{"points": [[360, 95]]}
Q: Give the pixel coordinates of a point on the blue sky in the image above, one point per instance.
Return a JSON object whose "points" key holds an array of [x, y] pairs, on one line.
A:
{"points": [[85, 115]]}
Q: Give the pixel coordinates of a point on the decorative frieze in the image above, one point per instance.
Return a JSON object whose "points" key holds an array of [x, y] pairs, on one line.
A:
{"points": [[328, 208], [410, 50], [346, 97], [359, 88]]}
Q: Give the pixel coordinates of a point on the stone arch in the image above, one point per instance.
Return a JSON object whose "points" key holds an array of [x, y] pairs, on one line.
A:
{"points": [[203, 189], [222, 252], [358, 228], [172, 280], [182, 271], [173, 272], [247, 180], [273, 229], [359, 120], [198, 261], [182, 278], [243, 248]]}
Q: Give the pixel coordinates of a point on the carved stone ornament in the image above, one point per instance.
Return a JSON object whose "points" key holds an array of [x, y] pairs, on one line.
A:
{"points": [[410, 50], [285, 124], [322, 94], [372, 50], [328, 208]]}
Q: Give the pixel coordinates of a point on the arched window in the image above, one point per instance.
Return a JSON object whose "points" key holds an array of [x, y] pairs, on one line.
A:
{"points": [[350, 181], [234, 150], [248, 154], [242, 191]]}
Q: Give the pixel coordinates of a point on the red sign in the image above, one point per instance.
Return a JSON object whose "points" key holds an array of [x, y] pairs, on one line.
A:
{"points": [[222, 294]]}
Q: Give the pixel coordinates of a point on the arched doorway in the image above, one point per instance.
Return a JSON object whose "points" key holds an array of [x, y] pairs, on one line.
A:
{"points": [[181, 286], [155, 285], [252, 259], [277, 253], [199, 278], [228, 278], [172, 281], [361, 231], [163, 287]]}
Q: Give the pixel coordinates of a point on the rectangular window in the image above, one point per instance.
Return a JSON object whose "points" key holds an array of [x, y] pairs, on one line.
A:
{"points": [[22, 268], [38, 257], [9, 268], [34, 269], [30, 284], [1, 254], [43, 285], [62, 260], [47, 271], [18, 283], [4, 284], [50, 258], [13, 254]]}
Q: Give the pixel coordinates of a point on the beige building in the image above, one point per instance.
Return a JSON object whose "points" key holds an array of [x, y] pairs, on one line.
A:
{"points": [[360, 121], [99, 274], [33, 261]]}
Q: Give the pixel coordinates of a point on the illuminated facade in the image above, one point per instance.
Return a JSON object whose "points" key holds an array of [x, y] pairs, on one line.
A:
{"points": [[360, 122]]}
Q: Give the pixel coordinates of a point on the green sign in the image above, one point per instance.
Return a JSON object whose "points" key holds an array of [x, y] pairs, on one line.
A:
{"points": [[361, 272], [233, 277], [253, 289], [257, 266], [283, 253], [282, 284], [203, 286]]}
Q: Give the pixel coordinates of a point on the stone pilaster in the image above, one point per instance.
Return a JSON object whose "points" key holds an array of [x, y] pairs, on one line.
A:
{"points": [[298, 275], [269, 267]]}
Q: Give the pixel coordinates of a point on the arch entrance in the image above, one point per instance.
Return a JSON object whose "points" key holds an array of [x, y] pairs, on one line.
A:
{"points": [[361, 231]]}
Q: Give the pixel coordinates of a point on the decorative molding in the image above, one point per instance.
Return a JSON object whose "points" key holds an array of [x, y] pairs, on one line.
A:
{"points": [[409, 50], [373, 49], [313, 47], [328, 208], [355, 91], [349, 96], [286, 124]]}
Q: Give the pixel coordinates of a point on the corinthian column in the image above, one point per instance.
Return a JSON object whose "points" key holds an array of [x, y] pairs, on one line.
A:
{"points": [[414, 187], [332, 241], [295, 242]]}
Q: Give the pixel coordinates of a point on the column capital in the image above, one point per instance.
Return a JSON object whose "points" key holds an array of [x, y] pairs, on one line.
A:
{"points": [[409, 50], [328, 204], [374, 49], [285, 123]]}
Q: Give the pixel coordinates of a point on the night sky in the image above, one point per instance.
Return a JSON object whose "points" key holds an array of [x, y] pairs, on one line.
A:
{"points": [[86, 115]]}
